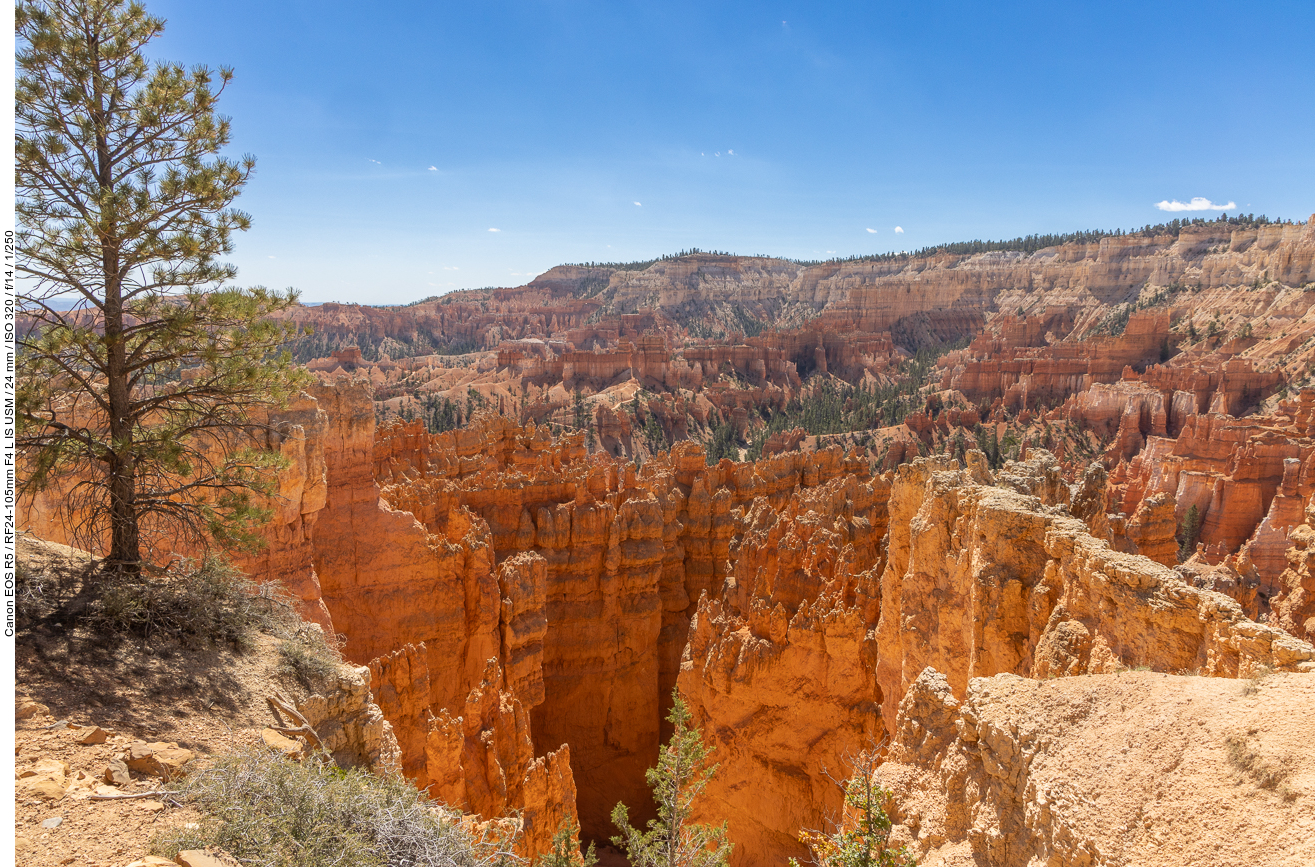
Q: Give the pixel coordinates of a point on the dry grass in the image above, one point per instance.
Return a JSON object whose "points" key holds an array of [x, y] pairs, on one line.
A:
{"points": [[1257, 678], [307, 657], [1250, 764]]}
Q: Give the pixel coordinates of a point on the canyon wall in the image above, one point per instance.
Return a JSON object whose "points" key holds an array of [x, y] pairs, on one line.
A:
{"points": [[983, 579], [619, 557]]}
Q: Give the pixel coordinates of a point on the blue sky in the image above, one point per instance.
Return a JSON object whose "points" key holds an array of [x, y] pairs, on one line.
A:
{"points": [[392, 138]]}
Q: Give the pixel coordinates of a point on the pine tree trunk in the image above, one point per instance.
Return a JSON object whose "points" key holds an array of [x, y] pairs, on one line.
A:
{"points": [[125, 540], [125, 547]]}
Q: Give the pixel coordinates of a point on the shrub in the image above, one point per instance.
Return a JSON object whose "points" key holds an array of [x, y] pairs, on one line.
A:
{"points": [[196, 605], [682, 772], [564, 853], [274, 812], [307, 657]]}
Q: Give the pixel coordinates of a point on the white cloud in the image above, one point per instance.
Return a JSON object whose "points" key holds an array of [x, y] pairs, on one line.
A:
{"points": [[273, 257], [495, 230], [637, 205], [731, 152], [1199, 203], [376, 162], [872, 231], [830, 252], [899, 230], [433, 168], [452, 268]]}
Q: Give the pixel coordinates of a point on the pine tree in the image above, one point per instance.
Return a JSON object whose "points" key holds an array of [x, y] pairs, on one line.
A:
{"points": [[862, 835], [1188, 534], [682, 773], [565, 852], [143, 392]]}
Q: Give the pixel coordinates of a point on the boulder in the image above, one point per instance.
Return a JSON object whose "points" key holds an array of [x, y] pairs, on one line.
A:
{"points": [[207, 858], [91, 735], [293, 749], [47, 780], [159, 759]]}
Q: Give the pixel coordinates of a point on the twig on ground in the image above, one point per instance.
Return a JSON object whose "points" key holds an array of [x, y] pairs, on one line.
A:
{"points": [[127, 796]]}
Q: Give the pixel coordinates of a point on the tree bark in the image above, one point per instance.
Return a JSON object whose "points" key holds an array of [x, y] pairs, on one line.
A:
{"points": [[125, 540]]}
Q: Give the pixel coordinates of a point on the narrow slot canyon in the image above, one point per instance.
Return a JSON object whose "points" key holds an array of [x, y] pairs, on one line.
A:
{"points": [[581, 578]]}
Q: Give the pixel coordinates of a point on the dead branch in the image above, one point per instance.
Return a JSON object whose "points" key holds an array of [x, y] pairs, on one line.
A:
{"points": [[304, 729], [127, 796]]}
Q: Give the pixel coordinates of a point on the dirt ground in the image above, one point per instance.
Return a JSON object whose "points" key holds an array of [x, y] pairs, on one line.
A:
{"points": [[209, 700]]}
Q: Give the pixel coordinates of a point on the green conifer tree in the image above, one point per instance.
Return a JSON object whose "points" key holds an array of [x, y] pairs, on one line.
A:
{"points": [[144, 390], [862, 835], [682, 772], [565, 852]]}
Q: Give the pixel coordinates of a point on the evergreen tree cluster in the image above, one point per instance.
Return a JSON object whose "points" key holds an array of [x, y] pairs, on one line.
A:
{"points": [[1023, 244], [724, 444], [831, 406], [307, 347]]}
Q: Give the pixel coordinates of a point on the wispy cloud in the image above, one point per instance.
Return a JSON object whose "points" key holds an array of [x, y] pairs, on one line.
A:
{"points": [[451, 268], [273, 257], [899, 230], [638, 205], [1200, 203], [871, 231], [433, 168], [376, 162], [731, 152], [495, 230]]}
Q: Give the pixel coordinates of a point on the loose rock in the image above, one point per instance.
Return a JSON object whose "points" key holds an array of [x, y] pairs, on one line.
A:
{"points": [[165, 760], [30, 709], [206, 858], [116, 773], [93, 735]]}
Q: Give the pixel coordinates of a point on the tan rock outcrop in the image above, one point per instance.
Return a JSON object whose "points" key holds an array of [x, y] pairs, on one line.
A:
{"points": [[483, 762], [982, 580], [351, 726], [1133, 768]]}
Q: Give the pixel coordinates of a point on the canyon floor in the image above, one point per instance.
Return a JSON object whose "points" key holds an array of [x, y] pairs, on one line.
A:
{"points": [[1036, 517]]}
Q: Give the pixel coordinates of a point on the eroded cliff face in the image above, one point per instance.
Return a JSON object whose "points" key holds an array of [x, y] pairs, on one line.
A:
{"points": [[1131, 768], [804, 593], [982, 579], [779, 672], [578, 573]]}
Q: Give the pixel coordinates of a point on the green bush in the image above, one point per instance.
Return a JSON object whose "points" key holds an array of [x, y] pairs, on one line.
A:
{"points": [[565, 853], [673, 839], [271, 811]]}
